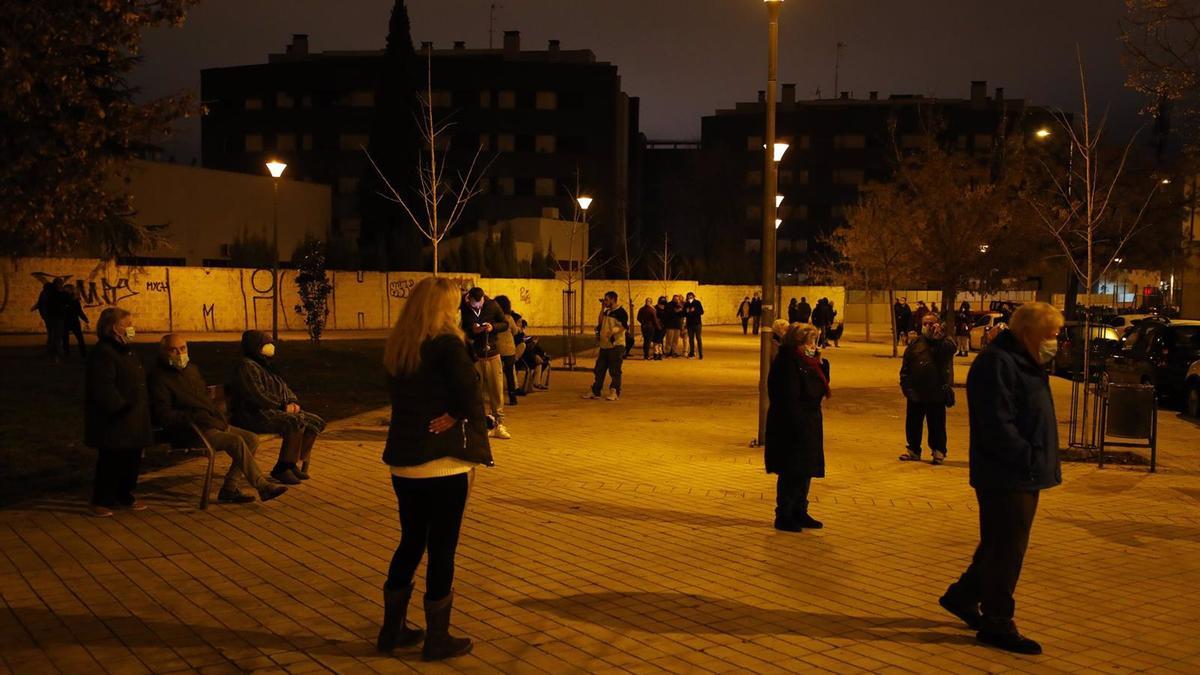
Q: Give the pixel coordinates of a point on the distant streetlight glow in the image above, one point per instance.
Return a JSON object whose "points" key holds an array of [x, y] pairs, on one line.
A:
{"points": [[983, 248], [1042, 133], [276, 168], [1118, 260], [1166, 181], [584, 202]]}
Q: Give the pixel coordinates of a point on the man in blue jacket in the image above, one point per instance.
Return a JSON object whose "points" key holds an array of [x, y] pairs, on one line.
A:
{"points": [[1013, 456]]}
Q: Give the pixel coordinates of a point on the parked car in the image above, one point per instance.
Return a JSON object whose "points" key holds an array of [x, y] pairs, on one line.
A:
{"points": [[1160, 353], [1069, 359], [1192, 382], [1124, 323], [983, 323]]}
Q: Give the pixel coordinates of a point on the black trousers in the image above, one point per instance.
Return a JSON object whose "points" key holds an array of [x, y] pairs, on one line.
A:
{"points": [[1005, 519], [608, 361], [431, 513], [647, 342], [76, 330], [791, 495], [757, 320], [509, 364], [745, 324], [116, 476], [914, 418], [695, 341], [55, 335]]}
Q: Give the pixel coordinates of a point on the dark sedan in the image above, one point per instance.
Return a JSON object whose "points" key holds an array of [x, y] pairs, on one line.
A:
{"points": [[1158, 352]]}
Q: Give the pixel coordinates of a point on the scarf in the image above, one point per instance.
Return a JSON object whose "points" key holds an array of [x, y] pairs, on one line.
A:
{"points": [[815, 364]]}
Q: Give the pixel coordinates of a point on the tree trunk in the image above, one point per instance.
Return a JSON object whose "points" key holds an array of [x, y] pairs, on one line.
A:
{"points": [[892, 321], [949, 295], [435, 258]]}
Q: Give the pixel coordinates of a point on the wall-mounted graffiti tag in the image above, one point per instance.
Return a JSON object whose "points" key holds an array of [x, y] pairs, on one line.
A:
{"points": [[110, 292]]}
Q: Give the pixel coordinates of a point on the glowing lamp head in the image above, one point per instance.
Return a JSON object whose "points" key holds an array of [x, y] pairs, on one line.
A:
{"points": [[1042, 133], [1165, 181], [780, 148], [983, 248], [778, 200], [276, 168], [584, 202], [778, 222]]}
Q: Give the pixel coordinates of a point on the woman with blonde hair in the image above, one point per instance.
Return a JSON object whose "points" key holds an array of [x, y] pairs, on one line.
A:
{"points": [[437, 436], [795, 442]]}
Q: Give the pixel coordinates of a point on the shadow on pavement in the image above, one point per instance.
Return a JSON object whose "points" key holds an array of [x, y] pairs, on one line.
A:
{"points": [[656, 612], [179, 492], [640, 513], [1133, 533], [352, 434]]}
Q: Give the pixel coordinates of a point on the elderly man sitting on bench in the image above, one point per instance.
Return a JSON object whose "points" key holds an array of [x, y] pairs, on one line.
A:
{"points": [[179, 399]]}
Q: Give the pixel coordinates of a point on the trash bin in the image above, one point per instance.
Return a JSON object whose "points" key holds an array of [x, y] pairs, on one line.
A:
{"points": [[1130, 411]]}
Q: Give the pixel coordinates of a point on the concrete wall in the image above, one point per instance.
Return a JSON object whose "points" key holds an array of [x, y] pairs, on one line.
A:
{"points": [[229, 299]]}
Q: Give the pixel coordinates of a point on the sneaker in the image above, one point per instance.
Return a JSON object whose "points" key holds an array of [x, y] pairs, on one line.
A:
{"points": [[590, 395], [968, 612], [101, 511], [1010, 642], [234, 497], [938, 458], [501, 432], [269, 492], [910, 456], [613, 396]]}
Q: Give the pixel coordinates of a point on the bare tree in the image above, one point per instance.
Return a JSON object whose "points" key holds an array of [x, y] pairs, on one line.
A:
{"points": [[1081, 213], [1161, 41], [664, 269], [442, 199]]}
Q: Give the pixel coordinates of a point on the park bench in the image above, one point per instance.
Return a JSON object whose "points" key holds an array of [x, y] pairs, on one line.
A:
{"points": [[217, 394]]}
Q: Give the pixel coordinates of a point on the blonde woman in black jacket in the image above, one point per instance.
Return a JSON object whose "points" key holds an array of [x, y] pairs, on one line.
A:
{"points": [[438, 435]]}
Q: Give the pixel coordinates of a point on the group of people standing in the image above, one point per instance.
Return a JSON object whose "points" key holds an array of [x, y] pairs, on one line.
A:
{"points": [[127, 410], [909, 323], [62, 312], [664, 324]]}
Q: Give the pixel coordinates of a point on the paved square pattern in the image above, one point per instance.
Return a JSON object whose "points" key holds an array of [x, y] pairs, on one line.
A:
{"points": [[628, 536]]}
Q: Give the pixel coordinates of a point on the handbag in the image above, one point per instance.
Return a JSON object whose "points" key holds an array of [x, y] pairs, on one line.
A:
{"points": [[948, 395]]}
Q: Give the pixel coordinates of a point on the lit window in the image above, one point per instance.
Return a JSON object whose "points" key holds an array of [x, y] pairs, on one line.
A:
{"points": [[485, 99], [802, 177], [508, 100], [753, 213], [284, 100], [442, 99], [847, 177], [544, 143], [801, 143], [506, 186], [506, 142], [546, 100], [754, 143], [754, 177], [485, 142], [485, 185], [348, 185], [306, 143], [353, 141], [254, 104], [849, 141], [544, 187], [254, 142], [785, 177], [362, 98], [285, 141], [306, 102]]}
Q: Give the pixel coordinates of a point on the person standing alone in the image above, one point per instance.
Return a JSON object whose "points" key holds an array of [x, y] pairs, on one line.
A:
{"points": [[647, 318], [1013, 457], [693, 313], [925, 380], [614, 322]]}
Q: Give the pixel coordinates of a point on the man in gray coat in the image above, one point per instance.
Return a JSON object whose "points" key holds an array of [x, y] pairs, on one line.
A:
{"points": [[1014, 455]]}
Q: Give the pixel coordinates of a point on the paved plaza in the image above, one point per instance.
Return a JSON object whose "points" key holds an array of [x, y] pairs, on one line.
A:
{"points": [[628, 536]]}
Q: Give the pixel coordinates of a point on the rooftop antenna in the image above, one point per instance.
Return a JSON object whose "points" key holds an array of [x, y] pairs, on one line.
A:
{"points": [[837, 65], [492, 24]]}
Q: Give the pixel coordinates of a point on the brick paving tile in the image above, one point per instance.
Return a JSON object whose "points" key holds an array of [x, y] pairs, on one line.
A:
{"points": [[628, 537]]}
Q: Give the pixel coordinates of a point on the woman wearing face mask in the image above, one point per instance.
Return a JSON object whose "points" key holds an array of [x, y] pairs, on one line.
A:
{"points": [[265, 404], [795, 442], [116, 413]]}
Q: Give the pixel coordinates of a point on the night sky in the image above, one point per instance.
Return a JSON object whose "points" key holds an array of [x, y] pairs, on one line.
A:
{"points": [[686, 58]]}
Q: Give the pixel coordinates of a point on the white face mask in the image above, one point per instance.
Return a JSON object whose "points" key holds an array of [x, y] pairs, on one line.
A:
{"points": [[180, 361], [268, 350], [130, 333], [810, 351], [1047, 350]]}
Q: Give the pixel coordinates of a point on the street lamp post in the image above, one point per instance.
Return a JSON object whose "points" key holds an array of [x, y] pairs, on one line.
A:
{"points": [[584, 202], [771, 155], [276, 168]]}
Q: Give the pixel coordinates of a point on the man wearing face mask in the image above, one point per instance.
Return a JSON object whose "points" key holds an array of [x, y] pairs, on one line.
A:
{"points": [[116, 413], [483, 321], [925, 380], [1014, 455], [264, 403], [693, 317], [179, 399]]}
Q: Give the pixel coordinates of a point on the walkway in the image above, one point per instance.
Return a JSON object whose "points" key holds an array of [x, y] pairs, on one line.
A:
{"points": [[631, 536]]}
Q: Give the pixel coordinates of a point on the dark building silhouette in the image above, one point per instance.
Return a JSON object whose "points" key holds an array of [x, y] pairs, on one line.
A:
{"points": [[545, 116], [838, 145]]}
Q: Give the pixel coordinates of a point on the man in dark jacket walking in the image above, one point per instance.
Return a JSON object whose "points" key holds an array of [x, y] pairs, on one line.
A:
{"points": [[693, 313], [804, 311], [51, 305], [181, 406], [925, 379], [647, 318], [1014, 455], [756, 312], [116, 413], [482, 321]]}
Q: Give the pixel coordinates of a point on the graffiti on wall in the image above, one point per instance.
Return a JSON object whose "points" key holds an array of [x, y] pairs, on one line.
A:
{"points": [[109, 292], [400, 288]]}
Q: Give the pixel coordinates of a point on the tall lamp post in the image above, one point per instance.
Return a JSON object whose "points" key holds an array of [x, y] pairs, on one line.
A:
{"points": [[584, 202], [276, 168], [771, 156]]}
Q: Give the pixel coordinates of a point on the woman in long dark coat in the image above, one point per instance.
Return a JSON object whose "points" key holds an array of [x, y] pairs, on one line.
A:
{"points": [[795, 443]]}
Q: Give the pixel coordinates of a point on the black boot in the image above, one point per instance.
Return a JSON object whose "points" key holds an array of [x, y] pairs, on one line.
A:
{"points": [[439, 644], [395, 631]]}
